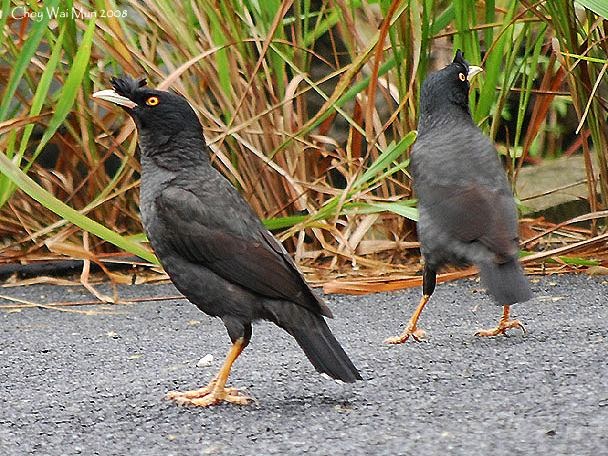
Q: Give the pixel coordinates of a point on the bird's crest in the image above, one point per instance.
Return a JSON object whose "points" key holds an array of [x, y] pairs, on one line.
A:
{"points": [[127, 86], [459, 59]]}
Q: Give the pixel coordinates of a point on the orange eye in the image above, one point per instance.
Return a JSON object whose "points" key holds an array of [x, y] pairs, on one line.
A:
{"points": [[152, 101], [462, 77]]}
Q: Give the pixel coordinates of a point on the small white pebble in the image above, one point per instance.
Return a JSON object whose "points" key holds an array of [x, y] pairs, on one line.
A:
{"points": [[205, 361]]}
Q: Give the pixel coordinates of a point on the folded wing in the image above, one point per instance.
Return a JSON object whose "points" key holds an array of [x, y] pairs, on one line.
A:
{"points": [[254, 260]]}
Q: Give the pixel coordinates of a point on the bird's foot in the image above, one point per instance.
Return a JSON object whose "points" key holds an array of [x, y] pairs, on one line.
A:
{"points": [[209, 395], [191, 394], [216, 397], [502, 327], [416, 333]]}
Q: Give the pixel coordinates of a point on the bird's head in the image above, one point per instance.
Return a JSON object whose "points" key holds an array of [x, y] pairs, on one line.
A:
{"points": [[159, 115], [449, 86]]}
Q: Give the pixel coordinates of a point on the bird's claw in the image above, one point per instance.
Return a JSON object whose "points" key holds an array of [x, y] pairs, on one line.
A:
{"points": [[180, 396], [208, 396], [502, 327], [216, 399], [198, 393], [416, 333]]}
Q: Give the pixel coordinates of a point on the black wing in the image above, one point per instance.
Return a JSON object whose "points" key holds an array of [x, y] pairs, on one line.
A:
{"points": [[475, 213], [462, 186], [255, 260]]}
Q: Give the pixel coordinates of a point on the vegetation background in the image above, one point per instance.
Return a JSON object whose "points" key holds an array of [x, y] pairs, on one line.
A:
{"points": [[310, 109]]}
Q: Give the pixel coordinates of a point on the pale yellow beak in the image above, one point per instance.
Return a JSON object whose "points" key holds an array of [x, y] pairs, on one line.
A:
{"points": [[473, 70], [111, 96]]}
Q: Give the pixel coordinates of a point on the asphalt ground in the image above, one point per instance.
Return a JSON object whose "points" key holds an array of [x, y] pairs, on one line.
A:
{"points": [[94, 384]]}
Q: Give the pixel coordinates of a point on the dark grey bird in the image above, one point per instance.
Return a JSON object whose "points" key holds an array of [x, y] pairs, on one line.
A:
{"points": [[467, 213], [211, 244]]}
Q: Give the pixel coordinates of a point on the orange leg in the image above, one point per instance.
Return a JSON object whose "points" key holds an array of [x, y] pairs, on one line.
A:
{"points": [[429, 279], [411, 329], [504, 324], [215, 392]]}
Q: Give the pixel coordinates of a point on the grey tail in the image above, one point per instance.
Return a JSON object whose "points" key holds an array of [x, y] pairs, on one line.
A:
{"points": [[505, 282], [317, 341]]}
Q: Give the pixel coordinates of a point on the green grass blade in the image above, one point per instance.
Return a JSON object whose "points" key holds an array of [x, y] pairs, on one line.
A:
{"points": [[391, 154], [599, 7], [443, 19], [8, 168], [70, 90], [25, 57], [402, 208], [586, 58], [42, 91], [221, 56], [279, 223], [6, 6], [528, 76], [575, 261], [493, 68]]}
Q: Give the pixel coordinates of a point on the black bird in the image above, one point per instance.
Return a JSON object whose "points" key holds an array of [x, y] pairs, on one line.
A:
{"points": [[212, 245], [467, 213]]}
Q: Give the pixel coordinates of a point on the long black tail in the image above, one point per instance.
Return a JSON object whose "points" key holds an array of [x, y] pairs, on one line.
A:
{"points": [[317, 341], [505, 282]]}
